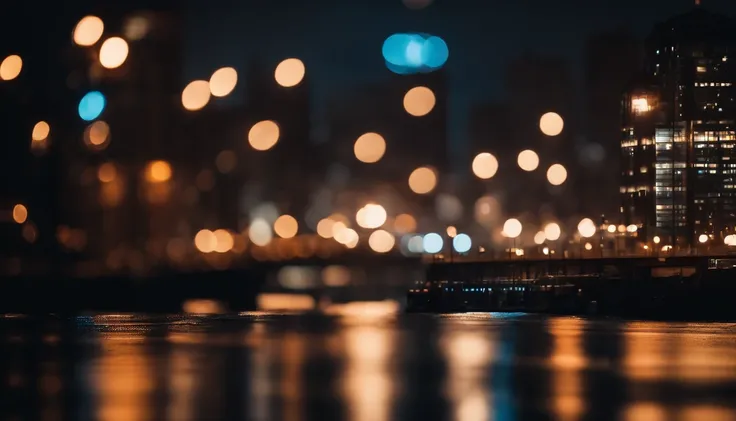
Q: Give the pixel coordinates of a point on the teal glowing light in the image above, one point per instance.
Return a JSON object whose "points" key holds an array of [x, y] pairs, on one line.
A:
{"points": [[91, 105], [414, 53]]}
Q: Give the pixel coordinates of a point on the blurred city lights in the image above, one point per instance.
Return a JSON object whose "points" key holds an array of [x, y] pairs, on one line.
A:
{"points": [[158, 172], [485, 165], [587, 228], [289, 72], [462, 243], [621, 228], [20, 213], [528, 160], [96, 135], [223, 81], [588, 246], [371, 216], [324, 227], [260, 232], [432, 243], [113, 53], [381, 241], [405, 223], [136, 28], [369, 148], [91, 105], [419, 101], [612, 229], [631, 228], [226, 161], [107, 172], [345, 236], [223, 241], [286, 226], [195, 95], [656, 239], [88, 31], [422, 180], [414, 53], [556, 174], [263, 135], [10, 67], [511, 228], [451, 231], [551, 124], [40, 131], [415, 244], [205, 241], [539, 238], [730, 240], [702, 238], [552, 231]]}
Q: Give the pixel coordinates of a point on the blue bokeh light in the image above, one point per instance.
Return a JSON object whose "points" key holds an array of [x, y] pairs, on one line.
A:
{"points": [[432, 243], [91, 105], [462, 243], [414, 53]]}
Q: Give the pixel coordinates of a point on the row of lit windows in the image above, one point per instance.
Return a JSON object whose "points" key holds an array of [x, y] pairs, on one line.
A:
{"points": [[705, 84], [633, 189]]}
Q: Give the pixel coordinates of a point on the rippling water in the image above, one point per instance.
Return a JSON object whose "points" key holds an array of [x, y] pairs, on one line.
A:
{"points": [[365, 366]]}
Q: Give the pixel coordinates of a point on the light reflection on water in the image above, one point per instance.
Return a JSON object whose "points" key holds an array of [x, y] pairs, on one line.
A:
{"points": [[364, 363]]}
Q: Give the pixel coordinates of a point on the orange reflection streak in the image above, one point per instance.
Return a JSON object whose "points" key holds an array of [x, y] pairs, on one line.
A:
{"points": [[261, 387], [567, 361], [644, 411], [123, 379], [705, 354], [645, 346], [468, 356], [182, 383], [369, 383], [706, 412], [293, 350]]}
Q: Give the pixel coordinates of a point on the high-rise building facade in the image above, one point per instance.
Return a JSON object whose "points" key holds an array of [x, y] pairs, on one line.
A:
{"points": [[679, 132]]}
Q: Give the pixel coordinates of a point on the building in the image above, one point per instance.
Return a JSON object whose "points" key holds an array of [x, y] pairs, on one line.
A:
{"points": [[679, 132]]}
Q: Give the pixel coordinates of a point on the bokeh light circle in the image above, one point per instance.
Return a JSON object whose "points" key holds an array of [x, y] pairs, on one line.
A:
{"points": [[512, 228], [422, 180], [88, 31], [551, 124], [462, 243], [381, 241], [263, 135], [432, 243], [556, 174], [414, 53], [419, 101], [485, 165], [587, 227], [40, 131], [223, 81], [195, 95], [91, 105], [528, 160], [290, 72], [10, 67], [369, 148], [113, 53], [286, 226], [552, 231]]}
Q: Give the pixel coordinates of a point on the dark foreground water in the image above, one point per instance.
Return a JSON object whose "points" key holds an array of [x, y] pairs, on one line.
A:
{"points": [[365, 365]]}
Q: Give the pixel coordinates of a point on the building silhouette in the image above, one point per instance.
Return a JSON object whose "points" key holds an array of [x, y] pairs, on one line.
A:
{"points": [[678, 132]]}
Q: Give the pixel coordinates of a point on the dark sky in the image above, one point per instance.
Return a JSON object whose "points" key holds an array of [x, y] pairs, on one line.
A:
{"points": [[340, 40]]}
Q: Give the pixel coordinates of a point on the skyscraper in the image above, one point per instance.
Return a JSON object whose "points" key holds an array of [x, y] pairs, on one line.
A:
{"points": [[678, 132]]}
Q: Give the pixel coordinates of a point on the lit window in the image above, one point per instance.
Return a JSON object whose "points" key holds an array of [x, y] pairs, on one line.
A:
{"points": [[640, 105], [701, 69], [643, 170]]}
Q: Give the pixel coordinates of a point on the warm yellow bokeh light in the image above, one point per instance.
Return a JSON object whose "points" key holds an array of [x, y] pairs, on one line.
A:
{"points": [[485, 165], [158, 171], [371, 216], [260, 232], [345, 236], [10, 67], [422, 180], [451, 231], [556, 174], [224, 241], [405, 223], [381, 241], [552, 231], [20, 213], [528, 160], [195, 95], [88, 31], [263, 135], [587, 228], [205, 241], [107, 172], [324, 228], [539, 238], [419, 101], [286, 226], [40, 131], [96, 135], [289, 72], [113, 53], [369, 148], [551, 124], [223, 81], [511, 228]]}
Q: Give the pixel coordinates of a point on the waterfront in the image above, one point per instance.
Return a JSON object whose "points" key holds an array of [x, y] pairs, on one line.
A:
{"points": [[365, 362]]}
